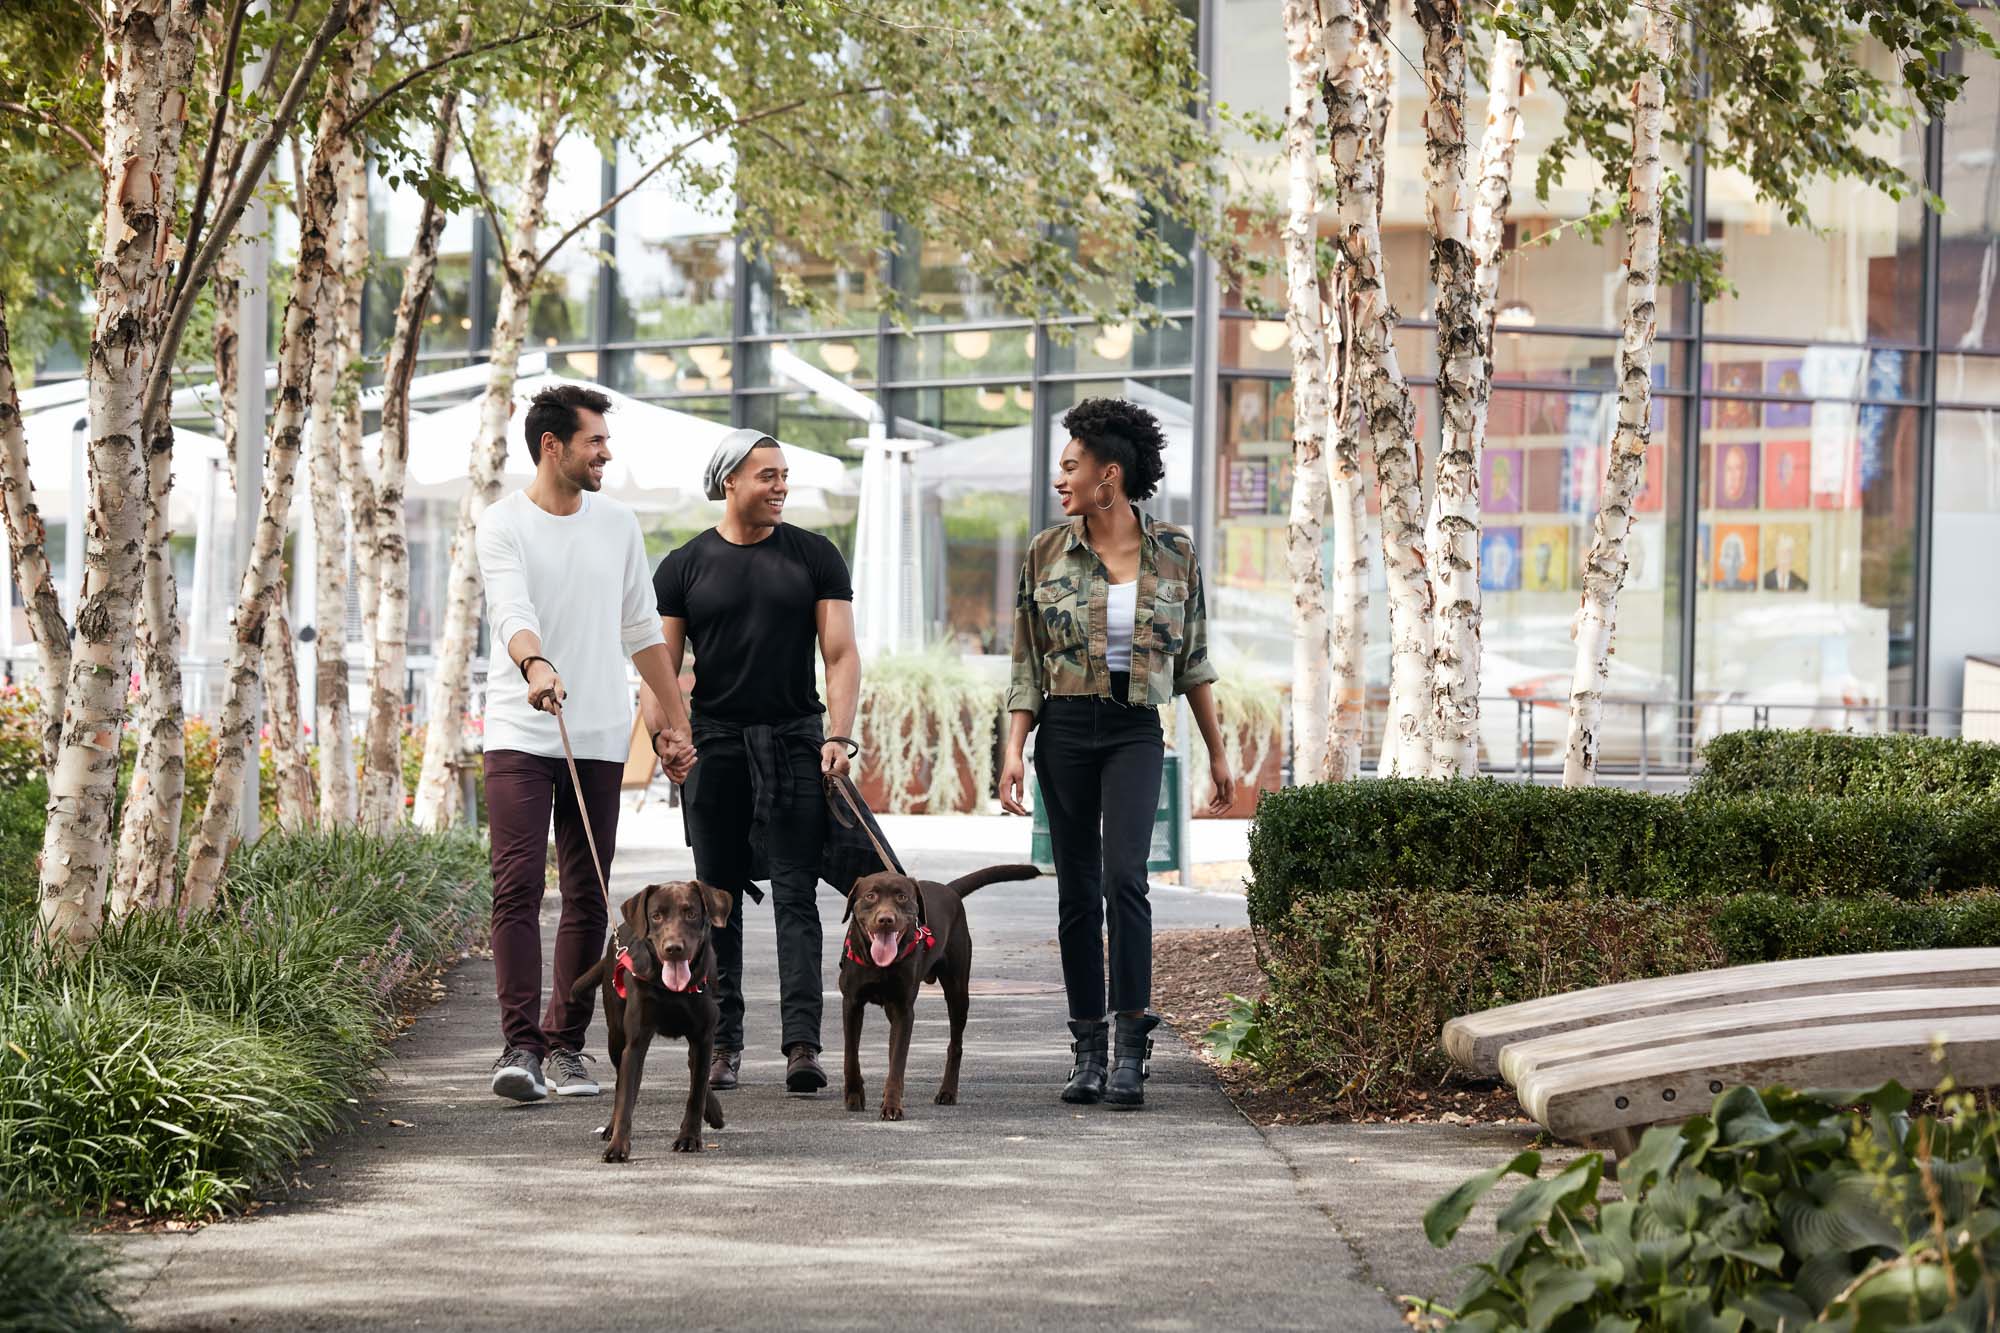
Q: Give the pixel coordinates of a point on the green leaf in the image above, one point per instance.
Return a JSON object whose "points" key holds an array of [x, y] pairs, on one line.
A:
{"points": [[1443, 1218], [1659, 1148], [1537, 1202], [1559, 1293]]}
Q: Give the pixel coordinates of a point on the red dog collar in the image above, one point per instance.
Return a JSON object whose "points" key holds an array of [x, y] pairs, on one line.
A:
{"points": [[624, 965], [921, 935]]}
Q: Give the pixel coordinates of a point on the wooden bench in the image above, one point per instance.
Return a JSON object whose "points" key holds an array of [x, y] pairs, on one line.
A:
{"points": [[1475, 1041], [1609, 1099]]}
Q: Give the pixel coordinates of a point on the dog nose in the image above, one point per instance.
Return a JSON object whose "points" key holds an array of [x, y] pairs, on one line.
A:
{"points": [[674, 951]]}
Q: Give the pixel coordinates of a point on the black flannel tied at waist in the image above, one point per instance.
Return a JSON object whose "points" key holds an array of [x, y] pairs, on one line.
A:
{"points": [[846, 853]]}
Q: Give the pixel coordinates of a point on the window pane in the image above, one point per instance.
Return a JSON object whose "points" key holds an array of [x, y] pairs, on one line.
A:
{"points": [[565, 295], [786, 281], [1965, 615], [1805, 566], [851, 360], [670, 370], [675, 273], [966, 354], [1112, 347], [1969, 244], [974, 483]]}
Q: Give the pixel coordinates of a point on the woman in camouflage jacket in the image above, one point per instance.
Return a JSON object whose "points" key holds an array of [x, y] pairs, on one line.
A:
{"points": [[1109, 625]]}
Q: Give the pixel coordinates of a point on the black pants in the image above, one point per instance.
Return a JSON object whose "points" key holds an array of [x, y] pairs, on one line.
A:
{"points": [[1098, 762], [718, 797]]}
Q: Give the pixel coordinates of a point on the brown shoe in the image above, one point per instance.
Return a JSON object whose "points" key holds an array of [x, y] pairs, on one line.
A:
{"points": [[803, 1076], [723, 1070]]}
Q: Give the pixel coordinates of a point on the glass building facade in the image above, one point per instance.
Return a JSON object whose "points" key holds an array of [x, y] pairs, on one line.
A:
{"points": [[1821, 498]]}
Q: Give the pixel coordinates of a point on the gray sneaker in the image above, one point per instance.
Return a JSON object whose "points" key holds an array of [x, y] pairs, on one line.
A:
{"points": [[566, 1076], [517, 1075]]}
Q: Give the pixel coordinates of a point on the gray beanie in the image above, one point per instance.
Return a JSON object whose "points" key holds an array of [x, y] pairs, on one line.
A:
{"points": [[730, 451]]}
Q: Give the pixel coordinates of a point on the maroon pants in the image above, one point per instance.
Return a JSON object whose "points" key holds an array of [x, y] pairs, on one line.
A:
{"points": [[522, 790]]}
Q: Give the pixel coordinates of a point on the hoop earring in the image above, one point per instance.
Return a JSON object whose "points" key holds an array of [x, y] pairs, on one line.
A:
{"points": [[1108, 503]]}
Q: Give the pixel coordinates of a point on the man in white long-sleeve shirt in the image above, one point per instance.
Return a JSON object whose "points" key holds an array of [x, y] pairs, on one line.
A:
{"points": [[569, 598]]}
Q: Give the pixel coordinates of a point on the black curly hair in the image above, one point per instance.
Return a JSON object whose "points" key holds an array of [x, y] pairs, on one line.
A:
{"points": [[1116, 431]]}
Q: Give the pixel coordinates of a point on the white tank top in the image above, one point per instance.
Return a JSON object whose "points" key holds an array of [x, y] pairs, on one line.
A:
{"points": [[1121, 606]]}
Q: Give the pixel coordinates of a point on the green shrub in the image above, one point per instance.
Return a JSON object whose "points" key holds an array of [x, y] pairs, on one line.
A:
{"points": [[181, 1065], [1828, 763], [52, 1280], [23, 811], [1774, 1210], [1362, 983]]}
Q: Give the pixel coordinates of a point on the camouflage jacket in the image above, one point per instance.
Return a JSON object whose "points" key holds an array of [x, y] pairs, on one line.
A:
{"points": [[1059, 631]]}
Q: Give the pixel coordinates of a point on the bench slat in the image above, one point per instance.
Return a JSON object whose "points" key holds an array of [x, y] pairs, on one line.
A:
{"points": [[1580, 1100], [1524, 1058], [1474, 1041]]}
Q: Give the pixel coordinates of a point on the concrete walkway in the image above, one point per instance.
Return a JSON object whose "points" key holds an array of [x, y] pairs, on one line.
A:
{"points": [[1009, 1210]]}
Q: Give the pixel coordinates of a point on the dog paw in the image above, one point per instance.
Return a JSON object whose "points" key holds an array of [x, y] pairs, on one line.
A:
{"points": [[892, 1110], [856, 1099], [946, 1097], [618, 1152], [688, 1143]]}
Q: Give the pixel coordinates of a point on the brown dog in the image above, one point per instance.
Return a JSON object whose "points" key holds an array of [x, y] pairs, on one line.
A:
{"points": [[903, 933], [661, 983]]}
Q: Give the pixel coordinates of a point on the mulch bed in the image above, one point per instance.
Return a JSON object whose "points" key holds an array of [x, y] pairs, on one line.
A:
{"points": [[1194, 974]]}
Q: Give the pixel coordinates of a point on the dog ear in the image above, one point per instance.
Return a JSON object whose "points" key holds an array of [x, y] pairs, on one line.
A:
{"points": [[635, 913], [720, 903]]}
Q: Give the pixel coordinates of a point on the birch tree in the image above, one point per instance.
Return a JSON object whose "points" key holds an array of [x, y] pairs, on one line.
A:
{"points": [[27, 544], [290, 762], [1464, 346], [1306, 319], [149, 58], [381, 805], [1356, 106]]}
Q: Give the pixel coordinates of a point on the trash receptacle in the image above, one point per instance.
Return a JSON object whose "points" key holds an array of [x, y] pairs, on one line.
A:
{"points": [[1164, 854]]}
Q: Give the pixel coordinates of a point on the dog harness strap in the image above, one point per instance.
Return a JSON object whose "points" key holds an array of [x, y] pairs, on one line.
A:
{"points": [[618, 971]]}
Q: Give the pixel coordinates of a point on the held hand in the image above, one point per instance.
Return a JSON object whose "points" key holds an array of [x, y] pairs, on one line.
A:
{"points": [[1224, 783], [545, 688], [833, 757], [676, 752], [1013, 773]]}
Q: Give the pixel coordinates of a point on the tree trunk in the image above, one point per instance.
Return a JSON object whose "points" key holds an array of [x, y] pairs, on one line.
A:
{"points": [[1306, 315], [263, 576], [437, 787], [332, 392], [1356, 107], [27, 540], [149, 60], [382, 763], [1348, 640], [1604, 569], [1464, 346], [1493, 192], [290, 757]]}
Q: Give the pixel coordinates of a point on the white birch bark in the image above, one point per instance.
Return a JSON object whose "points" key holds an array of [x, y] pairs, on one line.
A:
{"points": [[1348, 621], [148, 63], [1452, 534], [381, 771], [437, 787], [1356, 113], [1493, 190], [339, 345], [27, 542], [291, 761], [1306, 320], [263, 575], [1604, 568]]}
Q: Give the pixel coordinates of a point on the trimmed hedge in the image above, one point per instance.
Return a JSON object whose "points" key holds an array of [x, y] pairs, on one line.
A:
{"points": [[1832, 763], [1384, 908]]}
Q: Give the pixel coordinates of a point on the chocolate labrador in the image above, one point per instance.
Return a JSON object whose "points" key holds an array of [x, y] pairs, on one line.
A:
{"points": [[657, 979], [902, 933]]}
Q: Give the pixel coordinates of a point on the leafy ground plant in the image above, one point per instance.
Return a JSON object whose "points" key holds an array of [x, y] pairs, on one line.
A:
{"points": [[1807, 1212]]}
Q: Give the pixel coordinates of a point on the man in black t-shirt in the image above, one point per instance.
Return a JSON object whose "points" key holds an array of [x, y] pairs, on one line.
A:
{"points": [[753, 596]]}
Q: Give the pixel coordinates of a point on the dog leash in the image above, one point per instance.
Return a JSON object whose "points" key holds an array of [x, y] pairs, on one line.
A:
{"points": [[843, 785], [576, 784]]}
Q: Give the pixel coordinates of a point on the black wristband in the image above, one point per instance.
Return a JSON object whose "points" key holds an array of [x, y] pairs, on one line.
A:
{"points": [[853, 746], [523, 665]]}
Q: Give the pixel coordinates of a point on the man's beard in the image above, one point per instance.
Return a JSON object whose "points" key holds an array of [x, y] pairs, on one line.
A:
{"points": [[579, 476]]}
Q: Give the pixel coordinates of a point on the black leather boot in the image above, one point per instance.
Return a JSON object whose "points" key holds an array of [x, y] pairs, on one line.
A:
{"points": [[1127, 1088], [1092, 1047]]}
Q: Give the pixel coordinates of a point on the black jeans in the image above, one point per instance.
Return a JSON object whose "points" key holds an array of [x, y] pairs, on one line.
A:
{"points": [[1098, 762], [718, 801]]}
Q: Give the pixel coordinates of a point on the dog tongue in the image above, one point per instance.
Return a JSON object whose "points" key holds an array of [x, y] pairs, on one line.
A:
{"points": [[882, 947], [675, 975]]}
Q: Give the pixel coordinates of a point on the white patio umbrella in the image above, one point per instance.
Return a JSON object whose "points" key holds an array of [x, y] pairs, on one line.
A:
{"points": [[53, 458], [657, 453]]}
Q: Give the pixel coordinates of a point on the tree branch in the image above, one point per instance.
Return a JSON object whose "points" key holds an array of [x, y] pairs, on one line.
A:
{"points": [[369, 107], [234, 202], [682, 149], [198, 214], [96, 158]]}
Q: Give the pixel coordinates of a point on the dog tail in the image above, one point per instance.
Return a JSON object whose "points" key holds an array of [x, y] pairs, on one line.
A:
{"points": [[979, 879], [581, 986]]}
